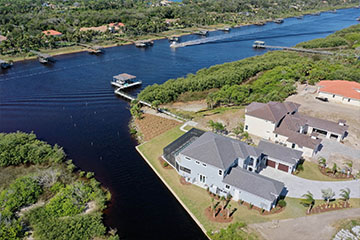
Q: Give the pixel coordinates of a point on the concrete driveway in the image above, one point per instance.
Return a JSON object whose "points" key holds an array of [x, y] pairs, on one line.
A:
{"points": [[298, 186], [332, 147]]}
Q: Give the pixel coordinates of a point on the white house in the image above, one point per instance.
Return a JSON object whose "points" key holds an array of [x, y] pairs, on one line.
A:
{"points": [[340, 91]]}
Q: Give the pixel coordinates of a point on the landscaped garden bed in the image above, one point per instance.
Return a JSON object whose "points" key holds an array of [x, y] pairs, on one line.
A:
{"points": [[220, 215], [338, 175], [274, 210], [332, 206]]}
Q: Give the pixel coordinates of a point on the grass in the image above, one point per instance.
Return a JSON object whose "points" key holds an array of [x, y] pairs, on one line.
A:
{"points": [[312, 172], [197, 199], [347, 224]]}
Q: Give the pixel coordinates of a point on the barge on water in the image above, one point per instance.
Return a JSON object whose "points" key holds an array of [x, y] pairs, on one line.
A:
{"points": [[125, 80]]}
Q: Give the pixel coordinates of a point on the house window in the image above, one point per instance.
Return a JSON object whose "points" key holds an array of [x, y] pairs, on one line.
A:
{"points": [[293, 145], [187, 158], [276, 135], [202, 178], [184, 169], [227, 186], [197, 162], [204, 164], [220, 172], [349, 100], [333, 95], [246, 127]]}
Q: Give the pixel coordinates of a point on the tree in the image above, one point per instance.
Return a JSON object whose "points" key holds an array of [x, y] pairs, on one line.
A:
{"points": [[155, 104], [322, 162], [211, 124], [282, 203], [345, 194], [135, 109], [328, 195], [228, 210], [334, 168], [308, 200], [349, 165]]}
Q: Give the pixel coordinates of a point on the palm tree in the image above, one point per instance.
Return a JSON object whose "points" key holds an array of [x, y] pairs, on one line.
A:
{"points": [[322, 162], [327, 194], [349, 164], [308, 200], [211, 124], [334, 168], [345, 194], [223, 202]]}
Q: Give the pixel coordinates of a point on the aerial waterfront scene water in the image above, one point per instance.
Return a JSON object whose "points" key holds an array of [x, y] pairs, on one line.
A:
{"points": [[71, 103]]}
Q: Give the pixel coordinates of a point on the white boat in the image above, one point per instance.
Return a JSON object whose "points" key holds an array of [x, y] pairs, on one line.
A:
{"points": [[259, 44], [125, 80]]}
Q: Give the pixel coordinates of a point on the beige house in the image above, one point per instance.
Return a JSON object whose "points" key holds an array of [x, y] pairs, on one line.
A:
{"points": [[340, 91], [282, 124]]}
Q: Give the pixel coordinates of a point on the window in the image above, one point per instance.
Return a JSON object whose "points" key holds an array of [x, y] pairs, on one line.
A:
{"points": [[333, 95], [349, 100], [202, 178], [220, 172], [293, 145], [246, 127], [227, 186], [187, 158], [204, 164], [184, 169], [197, 162]]}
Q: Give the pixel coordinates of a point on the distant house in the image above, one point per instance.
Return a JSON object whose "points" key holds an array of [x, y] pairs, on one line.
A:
{"points": [[172, 21], [52, 33], [103, 28], [2, 38], [340, 91], [281, 123], [112, 27], [225, 166]]}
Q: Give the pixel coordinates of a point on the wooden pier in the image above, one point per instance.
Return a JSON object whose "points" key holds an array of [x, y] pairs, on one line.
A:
{"points": [[92, 49], [43, 57], [131, 98]]}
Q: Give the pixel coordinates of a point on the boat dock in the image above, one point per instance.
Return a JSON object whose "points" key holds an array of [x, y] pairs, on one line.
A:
{"points": [[125, 80], [5, 64], [43, 57], [131, 98], [92, 49], [144, 43]]}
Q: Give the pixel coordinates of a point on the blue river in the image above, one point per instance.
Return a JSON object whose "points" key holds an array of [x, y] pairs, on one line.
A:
{"points": [[72, 103]]}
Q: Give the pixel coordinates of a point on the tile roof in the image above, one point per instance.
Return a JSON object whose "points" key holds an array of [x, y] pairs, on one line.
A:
{"points": [[254, 183], [344, 88], [52, 33], [272, 111], [219, 151], [284, 154], [303, 140]]}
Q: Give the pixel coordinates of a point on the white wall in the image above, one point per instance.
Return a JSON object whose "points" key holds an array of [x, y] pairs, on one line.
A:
{"points": [[257, 201], [339, 99], [259, 127]]}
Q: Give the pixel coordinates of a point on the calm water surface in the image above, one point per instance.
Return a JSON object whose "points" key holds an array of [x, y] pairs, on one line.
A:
{"points": [[72, 103]]}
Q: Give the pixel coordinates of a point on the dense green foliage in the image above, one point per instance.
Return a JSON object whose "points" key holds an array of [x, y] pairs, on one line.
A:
{"points": [[234, 231], [270, 77], [349, 37], [17, 148], [22, 21]]}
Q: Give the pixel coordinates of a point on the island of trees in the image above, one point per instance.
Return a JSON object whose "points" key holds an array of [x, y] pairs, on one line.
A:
{"points": [[270, 77], [23, 22], [43, 196]]}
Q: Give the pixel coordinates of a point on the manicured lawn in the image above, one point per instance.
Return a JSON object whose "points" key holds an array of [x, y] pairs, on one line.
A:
{"points": [[312, 172], [197, 199]]}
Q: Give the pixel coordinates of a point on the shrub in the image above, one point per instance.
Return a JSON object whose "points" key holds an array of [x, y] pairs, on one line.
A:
{"points": [[282, 203], [251, 205], [300, 168], [165, 164], [89, 175]]}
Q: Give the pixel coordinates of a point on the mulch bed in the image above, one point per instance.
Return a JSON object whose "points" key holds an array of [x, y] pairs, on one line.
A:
{"points": [[184, 182], [162, 162], [338, 175], [221, 216], [272, 211], [332, 207]]}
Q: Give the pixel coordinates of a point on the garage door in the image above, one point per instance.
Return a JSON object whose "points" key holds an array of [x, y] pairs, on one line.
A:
{"points": [[270, 163], [283, 167]]}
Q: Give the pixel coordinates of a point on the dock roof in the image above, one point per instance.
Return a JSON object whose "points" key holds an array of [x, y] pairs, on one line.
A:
{"points": [[124, 76]]}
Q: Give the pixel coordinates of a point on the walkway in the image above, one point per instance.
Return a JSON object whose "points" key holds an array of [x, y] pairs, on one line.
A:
{"points": [[298, 186], [313, 227]]}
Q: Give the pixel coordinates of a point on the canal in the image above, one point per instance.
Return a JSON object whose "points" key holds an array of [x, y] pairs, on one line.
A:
{"points": [[72, 103]]}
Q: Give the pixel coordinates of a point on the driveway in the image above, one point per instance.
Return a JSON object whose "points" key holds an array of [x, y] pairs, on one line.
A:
{"points": [[297, 186], [314, 227]]}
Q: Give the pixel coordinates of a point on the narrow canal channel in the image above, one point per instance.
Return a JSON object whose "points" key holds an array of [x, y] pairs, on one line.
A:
{"points": [[72, 103]]}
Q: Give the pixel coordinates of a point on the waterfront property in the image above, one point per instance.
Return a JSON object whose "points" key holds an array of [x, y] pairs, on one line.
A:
{"points": [[124, 80], [340, 91], [283, 124], [227, 167]]}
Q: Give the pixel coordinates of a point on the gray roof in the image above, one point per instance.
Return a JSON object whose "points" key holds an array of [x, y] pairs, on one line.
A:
{"points": [[272, 111], [304, 140], [124, 76], [254, 183], [324, 124], [279, 152], [218, 150]]}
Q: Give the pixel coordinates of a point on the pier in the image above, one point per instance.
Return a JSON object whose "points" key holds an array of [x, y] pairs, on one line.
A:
{"points": [[92, 49], [131, 98], [5, 64], [43, 57]]}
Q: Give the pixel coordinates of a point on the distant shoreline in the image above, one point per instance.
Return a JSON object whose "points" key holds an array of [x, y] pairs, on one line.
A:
{"points": [[210, 28]]}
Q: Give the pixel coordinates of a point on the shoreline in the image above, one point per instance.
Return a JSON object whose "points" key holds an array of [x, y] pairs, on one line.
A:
{"points": [[172, 192], [153, 37]]}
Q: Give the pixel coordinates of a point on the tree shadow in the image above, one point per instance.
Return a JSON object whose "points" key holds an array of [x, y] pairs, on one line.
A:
{"points": [[233, 211]]}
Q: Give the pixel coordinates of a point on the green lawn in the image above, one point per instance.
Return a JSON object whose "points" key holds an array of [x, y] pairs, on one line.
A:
{"points": [[312, 172], [197, 199]]}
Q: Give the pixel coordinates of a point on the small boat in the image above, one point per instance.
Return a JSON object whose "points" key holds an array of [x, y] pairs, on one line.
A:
{"points": [[145, 43], [333, 11], [173, 44], [259, 44], [279, 20], [173, 39], [225, 29], [5, 65], [95, 50], [43, 60], [125, 80], [261, 23], [202, 33]]}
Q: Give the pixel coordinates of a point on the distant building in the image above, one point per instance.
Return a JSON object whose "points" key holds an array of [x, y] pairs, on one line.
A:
{"points": [[340, 91], [52, 33], [2, 38], [112, 27]]}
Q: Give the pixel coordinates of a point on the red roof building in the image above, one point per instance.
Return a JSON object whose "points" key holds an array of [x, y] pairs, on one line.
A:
{"points": [[340, 91], [52, 33]]}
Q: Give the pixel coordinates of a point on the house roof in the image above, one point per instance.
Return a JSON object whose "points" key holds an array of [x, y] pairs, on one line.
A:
{"points": [[344, 88], [303, 140], [272, 111], [52, 33], [284, 154], [124, 76], [323, 124], [219, 151], [254, 183]]}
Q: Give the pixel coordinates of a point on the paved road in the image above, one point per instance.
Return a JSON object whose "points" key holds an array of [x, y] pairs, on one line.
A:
{"points": [[298, 186], [313, 227]]}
